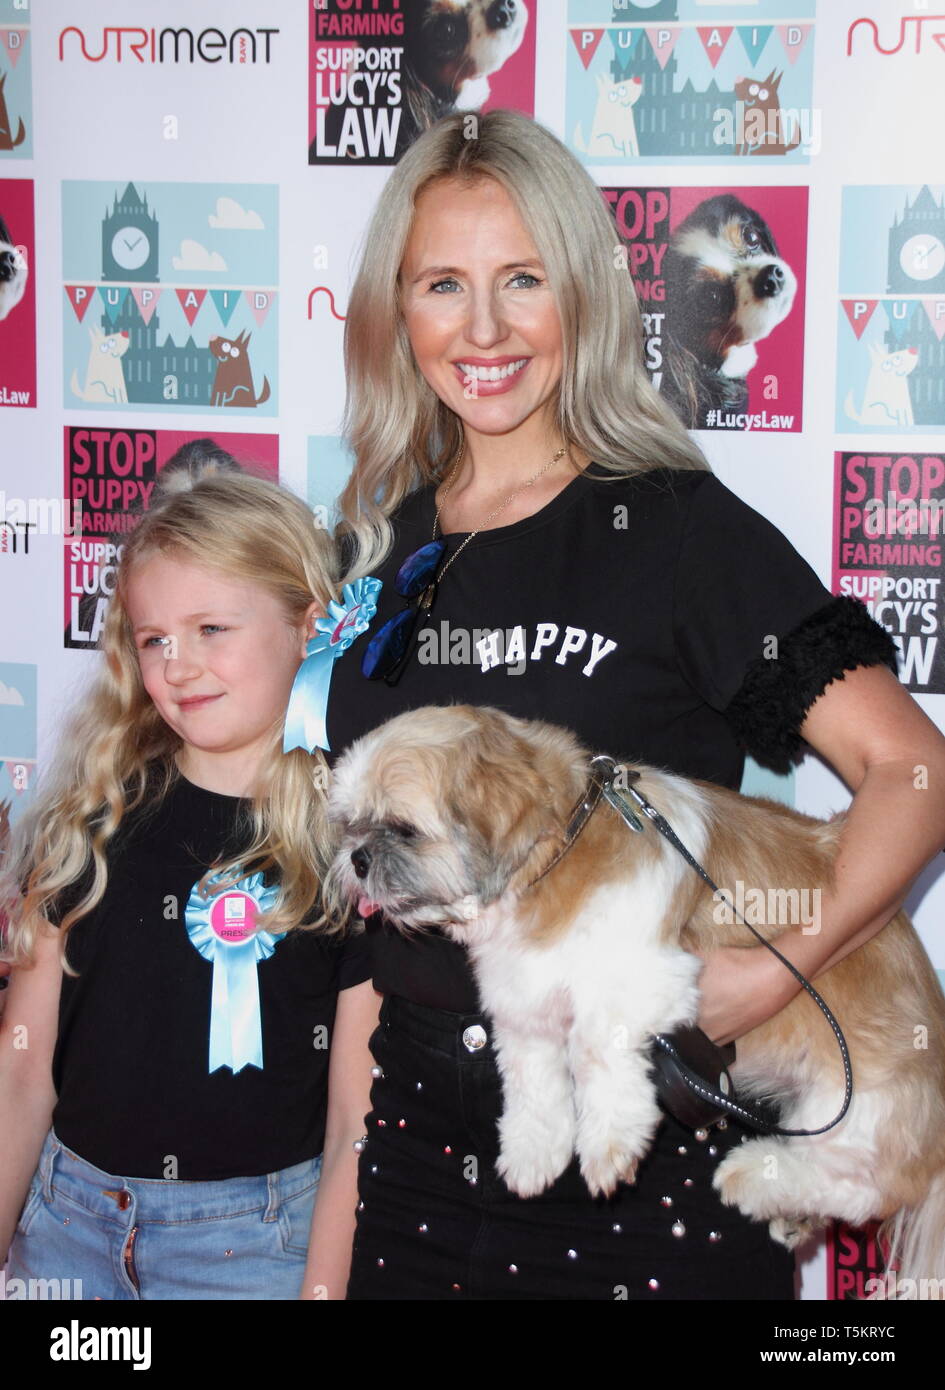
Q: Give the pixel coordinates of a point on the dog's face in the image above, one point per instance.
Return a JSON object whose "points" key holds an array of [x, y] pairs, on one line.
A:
{"points": [[455, 41], [754, 92], [110, 344], [728, 284], [439, 809], [13, 272], [228, 349]]}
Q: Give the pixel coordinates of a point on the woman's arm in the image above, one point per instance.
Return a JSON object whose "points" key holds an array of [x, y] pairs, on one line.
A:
{"points": [[28, 1031], [349, 1099], [893, 757]]}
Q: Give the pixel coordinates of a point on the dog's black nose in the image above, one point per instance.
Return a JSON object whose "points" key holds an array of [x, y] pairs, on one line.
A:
{"points": [[770, 282], [501, 14], [361, 861], [7, 265]]}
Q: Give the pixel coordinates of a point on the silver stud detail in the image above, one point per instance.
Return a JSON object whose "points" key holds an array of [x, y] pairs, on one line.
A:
{"points": [[715, 1236], [712, 1150], [228, 1252], [617, 1229], [687, 1182], [722, 1124], [423, 1228], [666, 1201], [572, 1254], [679, 1229], [377, 1073], [447, 1149], [653, 1284], [401, 1124], [359, 1145], [360, 1206], [380, 1264], [374, 1168], [513, 1269], [66, 1220], [419, 1085], [472, 1181], [457, 1288], [474, 1037], [682, 1150], [381, 1124], [702, 1135]]}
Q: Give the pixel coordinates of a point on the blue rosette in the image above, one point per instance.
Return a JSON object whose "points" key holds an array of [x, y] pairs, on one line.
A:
{"points": [[305, 720], [221, 926]]}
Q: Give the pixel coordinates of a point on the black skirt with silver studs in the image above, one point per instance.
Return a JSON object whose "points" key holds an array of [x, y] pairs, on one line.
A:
{"points": [[435, 1221]]}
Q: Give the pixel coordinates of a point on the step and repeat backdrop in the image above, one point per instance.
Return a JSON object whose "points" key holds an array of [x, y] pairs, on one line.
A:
{"points": [[183, 189]]}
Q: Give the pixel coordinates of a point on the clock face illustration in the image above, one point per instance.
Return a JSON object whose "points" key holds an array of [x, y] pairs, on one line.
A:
{"points": [[130, 247], [922, 257]]}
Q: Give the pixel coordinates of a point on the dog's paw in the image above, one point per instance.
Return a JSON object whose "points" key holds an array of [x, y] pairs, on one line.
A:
{"points": [[743, 1179], [529, 1172], [792, 1231], [533, 1152], [603, 1170]]}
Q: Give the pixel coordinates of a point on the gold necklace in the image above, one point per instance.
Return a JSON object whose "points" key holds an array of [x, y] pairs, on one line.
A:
{"points": [[501, 507]]}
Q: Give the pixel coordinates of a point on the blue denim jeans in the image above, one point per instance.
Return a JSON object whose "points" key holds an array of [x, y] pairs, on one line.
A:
{"points": [[152, 1238]]}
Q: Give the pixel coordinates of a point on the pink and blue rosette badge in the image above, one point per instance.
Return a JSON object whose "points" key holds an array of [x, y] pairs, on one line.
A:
{"points": [[308, 702], [222, 927]]}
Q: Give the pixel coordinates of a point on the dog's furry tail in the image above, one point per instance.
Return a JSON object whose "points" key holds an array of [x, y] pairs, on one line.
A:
{"points": [[916, 1240]]}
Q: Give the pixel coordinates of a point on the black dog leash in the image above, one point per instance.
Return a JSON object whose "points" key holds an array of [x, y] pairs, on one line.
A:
{"points": [[681, 1071], [614, 797]]}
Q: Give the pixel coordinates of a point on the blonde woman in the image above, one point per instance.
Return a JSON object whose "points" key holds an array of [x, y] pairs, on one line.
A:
{"points": [[167, 1125], [553, 543]]}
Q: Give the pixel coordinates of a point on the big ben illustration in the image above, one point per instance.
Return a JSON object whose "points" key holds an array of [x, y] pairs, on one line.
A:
{"points": [[916, 266], [130, 239], [153, 374]]}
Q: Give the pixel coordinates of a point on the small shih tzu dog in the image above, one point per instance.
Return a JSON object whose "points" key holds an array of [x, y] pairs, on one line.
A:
{"points": [[726, 288], [455, 817], [13, 272]]}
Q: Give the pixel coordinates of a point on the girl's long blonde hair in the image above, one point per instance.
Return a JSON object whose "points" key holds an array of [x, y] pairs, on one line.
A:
{"points": [[118, 746], [401, 433]]}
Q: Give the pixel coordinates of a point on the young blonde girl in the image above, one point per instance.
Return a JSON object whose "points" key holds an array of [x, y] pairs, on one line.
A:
{"points": [[168, 1109]]}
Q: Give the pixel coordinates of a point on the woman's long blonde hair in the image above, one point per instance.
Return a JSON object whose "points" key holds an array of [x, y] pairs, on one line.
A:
{"points": [[118, 747], [401, 433]]}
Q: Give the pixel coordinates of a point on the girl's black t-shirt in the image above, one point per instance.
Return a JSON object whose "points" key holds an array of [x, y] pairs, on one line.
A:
{"points": [[658, 616], [136, 1096]]}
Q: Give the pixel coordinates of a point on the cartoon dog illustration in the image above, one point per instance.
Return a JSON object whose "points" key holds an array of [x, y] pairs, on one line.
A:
{"points": [[14, 272], [764, 118], [726, 288], [104, 377], [614, 130], [7, 141], [886, 400], [233, 382]]}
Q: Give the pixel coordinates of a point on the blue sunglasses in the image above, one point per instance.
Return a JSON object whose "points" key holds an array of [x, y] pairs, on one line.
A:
{"points": [[389, 649]]}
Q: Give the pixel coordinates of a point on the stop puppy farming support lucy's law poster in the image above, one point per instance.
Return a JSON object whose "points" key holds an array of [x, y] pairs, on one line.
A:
{"points": [[888, 522], [109, 477]]}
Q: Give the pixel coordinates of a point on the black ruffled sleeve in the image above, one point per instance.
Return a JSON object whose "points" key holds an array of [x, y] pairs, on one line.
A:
{"points": [[773, 699], [757, 634]]}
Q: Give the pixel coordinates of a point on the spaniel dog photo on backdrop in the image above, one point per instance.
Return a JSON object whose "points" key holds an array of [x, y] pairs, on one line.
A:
{"points": [[448, 50], [727, 288], [455, 818], [14, 272]]}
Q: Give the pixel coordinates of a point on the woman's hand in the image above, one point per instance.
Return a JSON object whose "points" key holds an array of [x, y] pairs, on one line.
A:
{"points": [[741, 987]]}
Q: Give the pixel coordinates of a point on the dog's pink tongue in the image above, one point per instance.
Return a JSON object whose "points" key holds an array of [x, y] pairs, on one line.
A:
{"points": [[366, 907]]}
